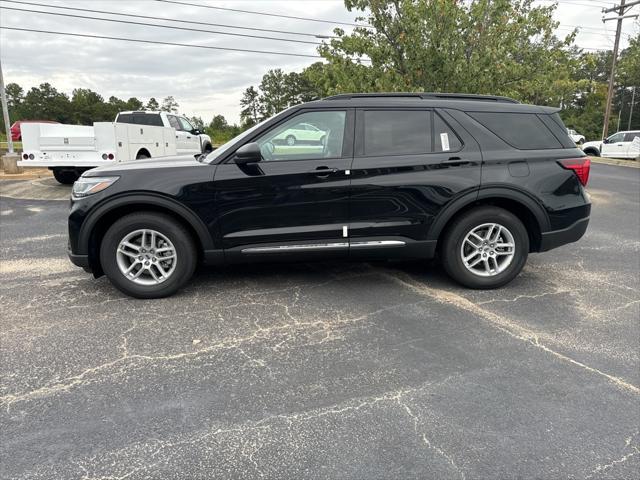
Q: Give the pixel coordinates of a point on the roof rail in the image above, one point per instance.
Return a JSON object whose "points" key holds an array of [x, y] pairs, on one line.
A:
{"points": [[426, 96]]}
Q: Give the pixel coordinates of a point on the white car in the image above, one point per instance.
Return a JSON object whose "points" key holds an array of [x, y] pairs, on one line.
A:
{"points": [[575, 136], [301, 133], [619, 145]]}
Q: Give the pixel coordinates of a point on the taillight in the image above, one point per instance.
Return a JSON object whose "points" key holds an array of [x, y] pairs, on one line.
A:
{"points": [[25, 156], [111, 157], [580, 167]]}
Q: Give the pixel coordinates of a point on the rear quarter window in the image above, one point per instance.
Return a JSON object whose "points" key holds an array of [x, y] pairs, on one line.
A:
{"points": [[524, 131]]}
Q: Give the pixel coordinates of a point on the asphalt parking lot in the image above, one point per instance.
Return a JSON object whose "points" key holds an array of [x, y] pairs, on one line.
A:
{"points": [[324, 370]]}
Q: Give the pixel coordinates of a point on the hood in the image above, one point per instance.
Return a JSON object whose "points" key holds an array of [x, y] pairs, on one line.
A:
{"points": [[146, 164], [595, 143]]}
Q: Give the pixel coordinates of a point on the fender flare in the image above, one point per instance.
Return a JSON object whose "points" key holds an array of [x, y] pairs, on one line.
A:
{"points": [[152, 199], [487, 192]]}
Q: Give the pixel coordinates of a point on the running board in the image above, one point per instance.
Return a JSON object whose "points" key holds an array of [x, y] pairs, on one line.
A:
{"points": [[324, 246]]}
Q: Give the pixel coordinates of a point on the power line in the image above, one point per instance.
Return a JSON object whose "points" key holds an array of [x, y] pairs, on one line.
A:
{"points": [[208, 24], [130, 22], [85, 35], [291, 17]]}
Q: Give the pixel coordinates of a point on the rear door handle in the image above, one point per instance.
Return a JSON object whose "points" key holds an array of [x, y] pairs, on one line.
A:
{"points": [[455, 161], [324, 171]]}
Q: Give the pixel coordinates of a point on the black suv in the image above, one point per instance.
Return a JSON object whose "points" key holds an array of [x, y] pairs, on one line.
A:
{"points": [[480, 181]]}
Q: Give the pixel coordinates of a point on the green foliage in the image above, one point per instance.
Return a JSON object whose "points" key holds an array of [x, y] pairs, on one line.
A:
{"points": [[498, 47], [169, 104]]}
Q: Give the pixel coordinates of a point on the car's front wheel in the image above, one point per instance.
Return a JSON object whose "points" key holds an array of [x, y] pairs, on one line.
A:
{"points": [[148, 255], [486, 247], [291, 140]]}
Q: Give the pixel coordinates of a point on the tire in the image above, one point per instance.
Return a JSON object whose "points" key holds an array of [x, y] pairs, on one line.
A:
{"points": [[455, 246], [141, 156], [592, 152], [178, 273], [65, 177], [208, 148], [290, 140]]}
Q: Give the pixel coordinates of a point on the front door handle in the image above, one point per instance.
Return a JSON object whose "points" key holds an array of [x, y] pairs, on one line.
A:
{"points": [[324, 171]]}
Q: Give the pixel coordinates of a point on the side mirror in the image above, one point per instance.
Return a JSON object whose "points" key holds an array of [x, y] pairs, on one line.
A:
{"points": [[196, 131], [248, 153], [605, 140]]}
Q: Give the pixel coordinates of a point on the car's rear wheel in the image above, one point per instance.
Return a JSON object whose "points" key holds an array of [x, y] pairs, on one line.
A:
{"points": [[64, 176], [486, 247], [148, 255]]}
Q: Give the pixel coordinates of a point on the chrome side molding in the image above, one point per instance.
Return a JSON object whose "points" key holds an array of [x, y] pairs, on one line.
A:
{"points": [[322, 246], [295, 248], [378, 243]]}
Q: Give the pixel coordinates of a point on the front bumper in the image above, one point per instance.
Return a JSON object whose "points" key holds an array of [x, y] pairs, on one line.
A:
{"points": [[556, 238]]}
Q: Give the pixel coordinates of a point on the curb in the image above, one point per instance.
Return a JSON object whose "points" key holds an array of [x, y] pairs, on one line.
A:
{"points": [[615, 161], [28, 174]]}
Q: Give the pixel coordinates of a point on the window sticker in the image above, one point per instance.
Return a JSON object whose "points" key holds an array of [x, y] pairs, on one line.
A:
{"points": [[444, 141]]}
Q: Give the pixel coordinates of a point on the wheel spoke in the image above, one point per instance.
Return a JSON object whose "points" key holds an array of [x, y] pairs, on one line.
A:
{"points": [[487, 236], [478, 237], [505, 245], [496, 267], [497, 235], [501, 254], [161, 269], [471, 243], [471, 255], [475, 262], [168, 257], [131, 267], [129, 254], [139, 272], [153, 274], [130, 245], [487, 268]]}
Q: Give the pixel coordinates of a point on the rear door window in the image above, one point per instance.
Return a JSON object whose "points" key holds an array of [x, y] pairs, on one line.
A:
{"points": [[628, 137], [173, 121], [525, 131], [397, 132]]}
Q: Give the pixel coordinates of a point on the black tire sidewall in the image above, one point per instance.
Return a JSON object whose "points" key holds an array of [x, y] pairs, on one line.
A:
{"points": [[65, 177], [185, 249], [455, 236]]}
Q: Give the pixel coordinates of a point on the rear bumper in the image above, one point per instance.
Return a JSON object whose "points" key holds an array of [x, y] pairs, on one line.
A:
{"points": [[556, 238]]}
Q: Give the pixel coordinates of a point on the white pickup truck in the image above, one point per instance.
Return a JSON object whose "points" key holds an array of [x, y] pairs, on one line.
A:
{"points": [[69, 150]]}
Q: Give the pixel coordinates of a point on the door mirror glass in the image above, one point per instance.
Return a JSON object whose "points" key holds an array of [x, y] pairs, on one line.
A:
{"points": [[248, 153]]}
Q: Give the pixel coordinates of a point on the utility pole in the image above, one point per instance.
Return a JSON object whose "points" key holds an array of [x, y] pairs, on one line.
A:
{"points": [[5, 112], [621, 16], [633, 98]]}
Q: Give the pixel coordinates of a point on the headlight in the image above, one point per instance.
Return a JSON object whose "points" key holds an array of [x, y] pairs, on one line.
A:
{"points": [[86, 186]]}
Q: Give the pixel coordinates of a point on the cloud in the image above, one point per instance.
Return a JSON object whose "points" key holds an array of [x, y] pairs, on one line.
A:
{"points": [[204, 82]]}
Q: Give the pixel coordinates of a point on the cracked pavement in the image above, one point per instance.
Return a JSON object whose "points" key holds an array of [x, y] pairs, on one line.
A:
{"points": [[325, 370]]}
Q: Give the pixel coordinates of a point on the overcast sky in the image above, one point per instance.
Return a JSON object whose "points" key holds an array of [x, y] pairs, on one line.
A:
{"points": [[204, 82]]}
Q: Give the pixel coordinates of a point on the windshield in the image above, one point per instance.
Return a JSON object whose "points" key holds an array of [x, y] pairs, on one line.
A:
{"points": [[224, 148]]}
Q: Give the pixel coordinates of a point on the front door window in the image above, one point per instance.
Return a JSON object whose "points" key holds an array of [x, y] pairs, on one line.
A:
{"points": [[308, 136]]}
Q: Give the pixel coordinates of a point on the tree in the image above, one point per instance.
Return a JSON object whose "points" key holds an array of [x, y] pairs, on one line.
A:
{"points": [[274, 96], [46, 103], [170, 105], [153, 105], [197, 123], [250, 113], [15, 95], [504, 47], [134, 104]]}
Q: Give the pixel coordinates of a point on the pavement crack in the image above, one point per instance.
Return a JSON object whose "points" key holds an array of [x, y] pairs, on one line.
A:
{"points": [[627, 445], [504, 324]]}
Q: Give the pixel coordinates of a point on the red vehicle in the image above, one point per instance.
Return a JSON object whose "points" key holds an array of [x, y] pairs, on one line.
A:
{"points": [[16, 136]]}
